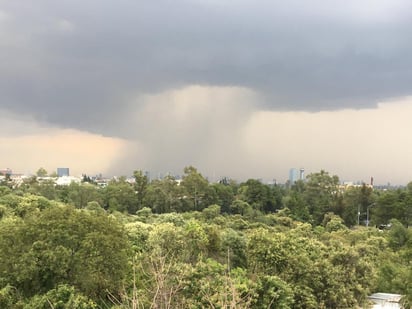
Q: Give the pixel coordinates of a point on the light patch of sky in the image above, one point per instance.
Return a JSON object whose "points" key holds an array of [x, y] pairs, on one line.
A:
{"points": [[354, 144], [65, 25], [26, 146], [3, 16], [377, 10], [194, 125], [221, 131]]}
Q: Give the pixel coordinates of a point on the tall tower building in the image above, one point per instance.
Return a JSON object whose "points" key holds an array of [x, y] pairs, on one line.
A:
{"points": [[293, 175], [302, 173], [63, 171]]}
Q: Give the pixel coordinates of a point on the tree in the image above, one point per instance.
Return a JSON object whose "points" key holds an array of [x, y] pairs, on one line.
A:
{"points": [[233, 248], [211, 212], [119, 195], [81, 194], [196, 239], [240, 207], [349, 206], [399, 236], [61, 297], [273, 292], [318, 279], [30, 204], [394, 204], [62, 245], [141, 183], [163, 268], [195, 187], [46, 188], [257, 195], [224, 195], [215, 285], [296, 203], [41, 172], [333, 223], [321, 194], [163, 196], [389, 206]]}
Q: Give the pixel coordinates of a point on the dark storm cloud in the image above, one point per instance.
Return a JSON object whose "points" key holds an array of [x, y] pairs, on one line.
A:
{"points": [[83, 63]]}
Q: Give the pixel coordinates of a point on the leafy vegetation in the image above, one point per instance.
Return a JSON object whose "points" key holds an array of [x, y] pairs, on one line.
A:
{"points": [[194, 244]]}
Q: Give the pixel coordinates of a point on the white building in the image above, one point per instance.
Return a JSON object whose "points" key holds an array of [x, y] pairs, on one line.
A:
{"points": [[385, 301], [67, 180]]}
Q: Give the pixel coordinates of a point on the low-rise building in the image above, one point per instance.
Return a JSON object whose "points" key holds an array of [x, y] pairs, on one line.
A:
{"points": [[385, 301]]}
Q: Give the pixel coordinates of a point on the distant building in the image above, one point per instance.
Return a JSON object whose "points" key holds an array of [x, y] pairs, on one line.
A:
{"points": [[293, 175], [67, 180], [385, 300], [6, 172], [63, 171], [350, 184], [302, 173]]}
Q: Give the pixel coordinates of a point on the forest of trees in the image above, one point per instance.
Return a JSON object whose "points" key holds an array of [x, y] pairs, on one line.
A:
{"points": [[195, 244]]}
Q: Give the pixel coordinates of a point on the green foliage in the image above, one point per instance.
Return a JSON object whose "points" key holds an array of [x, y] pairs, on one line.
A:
{"points": [[120, 196], [138, 234], [79, 195], [63, 246], [398, 235], [164, 196], [297, 206], [258, 195], [62, 297], [94, 207], [393, 204], [350, 205], [45, 188], [200, 245], [211, 212], [145, 212], [321, 194], [4, 211], [10, 200], [30, 204], [166, 238], [140, 187], [273, 292], [224, 194], [4, 190], [333, 223], [391, 274], [240, 207], [234, 247], [195, 238], [407, 298], [9, 297], [302, 261], [213, 285], [41, 172], [195, 187]]}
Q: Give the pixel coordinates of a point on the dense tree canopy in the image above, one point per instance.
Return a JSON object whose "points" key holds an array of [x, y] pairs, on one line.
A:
{"points": [[61, 245], [166, 243]]}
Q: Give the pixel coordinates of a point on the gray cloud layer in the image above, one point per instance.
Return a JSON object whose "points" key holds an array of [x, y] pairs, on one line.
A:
{"points": [[81, 63]]}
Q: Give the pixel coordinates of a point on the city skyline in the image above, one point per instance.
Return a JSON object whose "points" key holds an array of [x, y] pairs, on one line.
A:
{"points": [[243, 89], [294, 174]]}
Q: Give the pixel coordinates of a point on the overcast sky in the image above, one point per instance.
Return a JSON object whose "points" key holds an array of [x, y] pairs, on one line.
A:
{"points": [[244, 89]]}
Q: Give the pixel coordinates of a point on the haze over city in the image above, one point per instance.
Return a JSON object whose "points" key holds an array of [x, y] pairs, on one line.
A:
{"points": [[244, 89]]}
